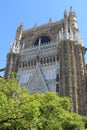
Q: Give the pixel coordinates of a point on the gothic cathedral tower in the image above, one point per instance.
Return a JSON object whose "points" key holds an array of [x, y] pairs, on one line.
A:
{"points": [[51, 58]]}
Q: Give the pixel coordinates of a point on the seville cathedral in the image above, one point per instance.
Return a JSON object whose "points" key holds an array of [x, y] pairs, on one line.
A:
{"points": [[51, 57]]}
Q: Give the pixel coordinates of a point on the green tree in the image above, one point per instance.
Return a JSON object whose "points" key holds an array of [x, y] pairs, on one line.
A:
{"points": [[55, 115], [21, 111], [85, 121]]}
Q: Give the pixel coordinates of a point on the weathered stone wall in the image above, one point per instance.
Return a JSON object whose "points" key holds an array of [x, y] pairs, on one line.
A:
{"points": [[72, 75], [65, 71], [81, 73]]}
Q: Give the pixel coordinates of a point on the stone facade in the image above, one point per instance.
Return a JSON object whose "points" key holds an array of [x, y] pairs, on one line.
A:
{"points": [[51, 58]]}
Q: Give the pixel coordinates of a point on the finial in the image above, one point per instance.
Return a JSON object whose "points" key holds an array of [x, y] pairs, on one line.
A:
{"points": [[71, 9], [65, 14], [35, 25], [72, 12], [50, 20], [20, 26]]}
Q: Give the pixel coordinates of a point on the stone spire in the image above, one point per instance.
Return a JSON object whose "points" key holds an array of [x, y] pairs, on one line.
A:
{"points": [[65, 14], [73, 20], [16, 44], [19, 32], [50, 20], [35, 25]]}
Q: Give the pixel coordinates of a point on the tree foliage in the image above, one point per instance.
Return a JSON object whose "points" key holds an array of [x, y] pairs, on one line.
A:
{"points": [[85, 121], [21, 111]]}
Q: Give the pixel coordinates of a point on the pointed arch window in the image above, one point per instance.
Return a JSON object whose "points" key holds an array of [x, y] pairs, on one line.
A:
{"points": [[42, 40]]}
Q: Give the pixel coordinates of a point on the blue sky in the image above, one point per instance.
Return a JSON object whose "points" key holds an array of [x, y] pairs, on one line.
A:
{"points": [[13, 12]]}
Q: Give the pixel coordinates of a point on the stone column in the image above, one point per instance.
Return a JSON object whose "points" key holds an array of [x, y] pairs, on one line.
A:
{"points": [[12, 64], [74, 78], [65, 71], [68, 74], [82, 82]]}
